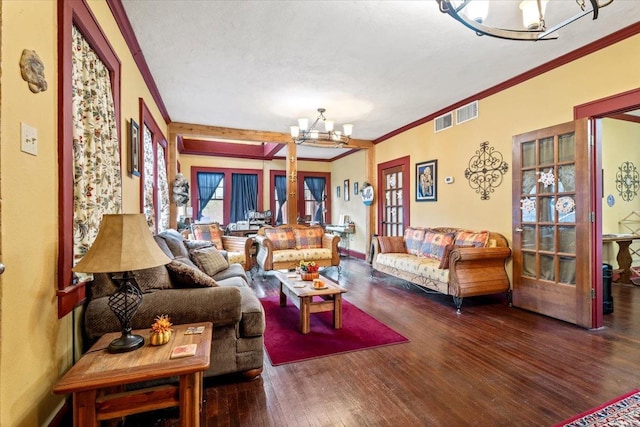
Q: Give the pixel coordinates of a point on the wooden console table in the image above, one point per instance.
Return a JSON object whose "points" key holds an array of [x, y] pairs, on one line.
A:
{"points": [[624, 254], [97, 380]]}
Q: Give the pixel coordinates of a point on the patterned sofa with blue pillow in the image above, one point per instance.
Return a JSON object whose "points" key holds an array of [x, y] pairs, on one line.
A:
{"points": [[451, 261]]}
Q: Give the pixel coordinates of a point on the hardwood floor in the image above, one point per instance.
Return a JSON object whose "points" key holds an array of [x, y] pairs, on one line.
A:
{"points": [[489, 366]]}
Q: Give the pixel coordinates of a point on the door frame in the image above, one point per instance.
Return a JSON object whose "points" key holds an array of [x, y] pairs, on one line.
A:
{"points": [[595, 111]]}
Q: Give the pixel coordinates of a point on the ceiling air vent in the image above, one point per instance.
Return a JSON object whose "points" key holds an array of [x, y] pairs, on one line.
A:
{"points": [[467, 112], [443, 122]]}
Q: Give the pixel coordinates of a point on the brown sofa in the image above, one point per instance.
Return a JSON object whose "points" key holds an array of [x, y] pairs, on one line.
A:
{"points": [[283, 247], [232, 306], [452, 261]]}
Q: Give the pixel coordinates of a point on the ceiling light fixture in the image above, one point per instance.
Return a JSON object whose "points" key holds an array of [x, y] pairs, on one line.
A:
{"points": [[473, 13], [311, 135]]}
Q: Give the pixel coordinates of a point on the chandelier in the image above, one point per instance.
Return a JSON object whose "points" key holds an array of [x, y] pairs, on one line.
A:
{"points": [[472, 13], [312, 135]]}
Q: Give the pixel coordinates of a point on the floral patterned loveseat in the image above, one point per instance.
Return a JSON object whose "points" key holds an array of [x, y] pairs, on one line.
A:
{"points": [[283, 247], [452, 261]]}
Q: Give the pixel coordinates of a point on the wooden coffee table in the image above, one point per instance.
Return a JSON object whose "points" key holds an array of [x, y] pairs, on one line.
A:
{"points": [[97, 380], [302, 293]]}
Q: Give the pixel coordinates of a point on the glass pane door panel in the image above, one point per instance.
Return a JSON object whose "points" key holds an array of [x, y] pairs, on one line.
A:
{"points": [[547, 209], [547, 268], [528, 154], [529, 182], [529, 237], [546, 151], [529, 264], [567, 271], [528, 209], [566, 147], [547, 238], [567, 178], [566, 209], [567, 240]]}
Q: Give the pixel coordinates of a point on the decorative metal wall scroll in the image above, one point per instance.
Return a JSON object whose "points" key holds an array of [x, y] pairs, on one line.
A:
{"points": [[486, 170], [627, 181]]}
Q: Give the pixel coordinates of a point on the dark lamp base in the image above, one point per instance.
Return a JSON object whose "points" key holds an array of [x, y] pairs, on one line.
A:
{"points": [[127, 342]]}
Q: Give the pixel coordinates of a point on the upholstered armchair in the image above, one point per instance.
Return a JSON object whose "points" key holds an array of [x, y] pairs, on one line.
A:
{"points": [[238, 249]]}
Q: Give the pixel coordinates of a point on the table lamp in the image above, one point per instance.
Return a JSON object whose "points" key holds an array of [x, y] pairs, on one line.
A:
{"points": [[124, 244]]}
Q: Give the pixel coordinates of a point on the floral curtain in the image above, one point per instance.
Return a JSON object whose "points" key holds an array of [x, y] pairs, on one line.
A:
{"points": [[149, 179], [163, 191], [96, 149]]}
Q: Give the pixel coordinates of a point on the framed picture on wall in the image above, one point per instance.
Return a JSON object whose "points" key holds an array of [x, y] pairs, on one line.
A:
{"points": [[134, 148], [346, 190], [355, 188], [338, 191], [426, 181]]}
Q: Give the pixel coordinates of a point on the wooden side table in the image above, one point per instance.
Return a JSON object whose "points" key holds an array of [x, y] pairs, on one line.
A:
{"points": [[97, 381]]}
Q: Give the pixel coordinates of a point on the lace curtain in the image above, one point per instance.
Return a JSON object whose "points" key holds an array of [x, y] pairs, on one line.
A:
{"points": [[96, 149], [155, 167]]}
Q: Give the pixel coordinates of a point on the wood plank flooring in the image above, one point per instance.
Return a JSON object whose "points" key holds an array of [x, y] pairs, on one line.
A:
{"points": [[489, 366]]}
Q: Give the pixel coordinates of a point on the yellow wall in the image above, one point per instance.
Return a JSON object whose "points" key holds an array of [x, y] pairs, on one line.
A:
{"points": [[619, 144], [351, 167], [36, 347], [540, 102]]}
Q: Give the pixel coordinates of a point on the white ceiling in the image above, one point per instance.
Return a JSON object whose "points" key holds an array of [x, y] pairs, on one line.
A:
{"points": [[377, 64]]}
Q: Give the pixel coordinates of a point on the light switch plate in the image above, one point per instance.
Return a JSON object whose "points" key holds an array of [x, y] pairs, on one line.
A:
{"points": [[28, 139]]}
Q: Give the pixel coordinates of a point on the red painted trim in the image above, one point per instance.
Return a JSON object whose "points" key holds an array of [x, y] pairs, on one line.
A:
{"points": [[271, 149], [609, 40], [305, 159], [610, 105], [354, 254], [404, 162], [227, 187], [79, 14], [625, 117], [124, 24]]}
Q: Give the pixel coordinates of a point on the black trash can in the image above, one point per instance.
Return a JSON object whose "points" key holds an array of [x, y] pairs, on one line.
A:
{"points": [[607, 298]]}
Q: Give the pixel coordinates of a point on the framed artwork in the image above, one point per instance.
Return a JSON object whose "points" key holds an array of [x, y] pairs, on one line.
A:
{"points": [[355, 188], [134, 148], [346, 190], [427, 181], [338, 191]]}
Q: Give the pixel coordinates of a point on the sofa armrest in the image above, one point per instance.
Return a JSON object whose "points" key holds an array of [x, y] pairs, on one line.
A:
{"points": [[330, 241], [220, 305], [239, 244], [478, 271], [265, 252]]}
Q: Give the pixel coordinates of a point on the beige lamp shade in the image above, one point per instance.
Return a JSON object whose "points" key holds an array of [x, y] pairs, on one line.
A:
{"points": [[124, 243]]}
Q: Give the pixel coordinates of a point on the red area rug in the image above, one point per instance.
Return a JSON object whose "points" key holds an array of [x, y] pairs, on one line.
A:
{"points": [[285, 343], [621, 411]]}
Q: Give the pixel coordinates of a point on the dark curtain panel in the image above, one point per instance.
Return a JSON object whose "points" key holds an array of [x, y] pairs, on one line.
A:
{"points": [[281, 193], [244, 196], [316, 186], [207, 185]]}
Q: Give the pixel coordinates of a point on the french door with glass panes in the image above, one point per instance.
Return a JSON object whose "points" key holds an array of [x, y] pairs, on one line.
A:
{"points": [[393, 213], [551, 222]]}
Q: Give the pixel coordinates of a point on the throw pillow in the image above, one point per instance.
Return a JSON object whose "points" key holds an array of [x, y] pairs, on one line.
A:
{"points": [[391, 244], [211, 232], [308, 237], [185, 260], [477, 239], [413, 238], [185, 276], [153, 278], [434, 244], [174, 242], [197, 244], [281, 237], [209, 260], [444, 262]]}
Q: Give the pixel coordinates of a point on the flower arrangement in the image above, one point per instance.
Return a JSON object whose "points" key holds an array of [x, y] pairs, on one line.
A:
{"points": [[161, 330], [309, 266], [309, 270]]}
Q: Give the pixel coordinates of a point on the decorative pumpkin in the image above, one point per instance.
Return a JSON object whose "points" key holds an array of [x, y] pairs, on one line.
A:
{"points": [[161, 330]]}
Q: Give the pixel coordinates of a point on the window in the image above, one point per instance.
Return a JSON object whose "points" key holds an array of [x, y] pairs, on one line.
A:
{"points": [[76, 17], [225, 195], [309, 208], [154, 182]]}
